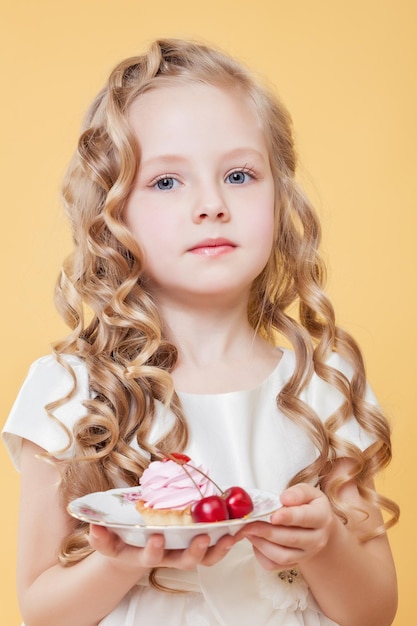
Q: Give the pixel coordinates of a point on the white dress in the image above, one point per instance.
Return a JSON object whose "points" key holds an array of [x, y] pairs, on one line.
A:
{"points": [[244, 440]]}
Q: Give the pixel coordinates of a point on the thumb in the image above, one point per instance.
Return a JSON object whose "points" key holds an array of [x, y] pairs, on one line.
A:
{"points": [[299, 494], [103, 540]]}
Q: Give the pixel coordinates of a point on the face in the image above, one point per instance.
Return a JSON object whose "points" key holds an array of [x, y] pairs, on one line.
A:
{"points": [[202, 204]]}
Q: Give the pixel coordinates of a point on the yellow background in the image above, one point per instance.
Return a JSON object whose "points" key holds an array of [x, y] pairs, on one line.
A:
{"points": [[347, 72]]}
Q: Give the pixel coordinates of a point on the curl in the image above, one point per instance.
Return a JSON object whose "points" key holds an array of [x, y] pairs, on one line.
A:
{"points": [[115, 326]]}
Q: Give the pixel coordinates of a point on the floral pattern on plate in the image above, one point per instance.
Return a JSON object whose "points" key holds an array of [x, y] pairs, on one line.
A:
{"points": [[116, 510]]}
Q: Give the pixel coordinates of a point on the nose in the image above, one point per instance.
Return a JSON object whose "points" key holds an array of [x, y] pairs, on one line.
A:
{"points": [[211, 206]]}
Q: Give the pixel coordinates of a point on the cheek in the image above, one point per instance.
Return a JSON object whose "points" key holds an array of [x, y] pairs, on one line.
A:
{"points": [[263, 220], [149, 228]]}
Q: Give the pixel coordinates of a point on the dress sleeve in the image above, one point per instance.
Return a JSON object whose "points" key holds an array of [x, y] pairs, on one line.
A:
{"points": [[47, 381], [325, 399]]}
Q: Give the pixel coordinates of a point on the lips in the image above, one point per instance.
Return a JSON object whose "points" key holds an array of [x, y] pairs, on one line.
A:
{"points": [[213, 246]]}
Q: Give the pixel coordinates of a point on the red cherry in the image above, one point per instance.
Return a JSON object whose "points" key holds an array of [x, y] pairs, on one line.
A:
{"points": [[210, 509], [178, 457], [238, 502]]}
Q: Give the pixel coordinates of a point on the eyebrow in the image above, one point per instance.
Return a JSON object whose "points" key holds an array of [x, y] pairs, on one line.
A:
{"points": [[243, 152], [161, 159]]}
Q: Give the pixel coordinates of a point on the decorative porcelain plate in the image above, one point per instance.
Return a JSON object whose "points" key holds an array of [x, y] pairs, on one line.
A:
{"points": [[115, 509]]}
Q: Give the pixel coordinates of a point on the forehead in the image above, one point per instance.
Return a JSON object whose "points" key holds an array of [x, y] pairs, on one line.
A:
{"points": [[197, 112]]}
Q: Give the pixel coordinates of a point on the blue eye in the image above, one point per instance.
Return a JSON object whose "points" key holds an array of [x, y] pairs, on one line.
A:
{"points": [[166, 183], [238, 177]]}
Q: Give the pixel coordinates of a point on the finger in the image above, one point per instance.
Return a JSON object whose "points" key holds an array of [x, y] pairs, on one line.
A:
{"points": [[316, 513], [300, 516], [283, 536], [217, 552], [299, 494], [284, 561], [198, 548], [190, 557], [261, 529], [276, 555], [111, 545], [103, 540], [153, 553]]}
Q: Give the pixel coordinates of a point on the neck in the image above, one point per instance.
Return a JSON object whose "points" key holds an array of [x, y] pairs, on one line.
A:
{"points": [[218, 350], [209, 333]]}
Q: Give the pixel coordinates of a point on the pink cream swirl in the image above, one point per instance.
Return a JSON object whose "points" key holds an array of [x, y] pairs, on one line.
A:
{"points": [[169, 485]]}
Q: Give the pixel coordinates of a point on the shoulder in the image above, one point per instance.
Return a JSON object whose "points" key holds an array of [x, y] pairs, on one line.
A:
{"points": [[59, 368], [288, 365], [325, 399], [48, 380]]}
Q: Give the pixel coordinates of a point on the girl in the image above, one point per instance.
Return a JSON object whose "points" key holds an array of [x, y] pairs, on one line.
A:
{"points": [[194, 249]]}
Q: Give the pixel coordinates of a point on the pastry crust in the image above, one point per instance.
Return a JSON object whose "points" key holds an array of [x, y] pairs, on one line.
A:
{"points": [[164, 517]]}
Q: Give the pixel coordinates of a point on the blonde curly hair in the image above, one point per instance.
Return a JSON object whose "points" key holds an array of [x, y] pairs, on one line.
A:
{"points": [[116, 328]]}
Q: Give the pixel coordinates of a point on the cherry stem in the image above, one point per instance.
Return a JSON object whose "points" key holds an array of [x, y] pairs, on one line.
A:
{"points": [[191, 478], [183, 464], [208, 477]]}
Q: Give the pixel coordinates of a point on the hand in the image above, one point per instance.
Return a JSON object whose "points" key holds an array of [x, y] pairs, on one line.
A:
{"points": [[128, 557], [296, 532]]}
